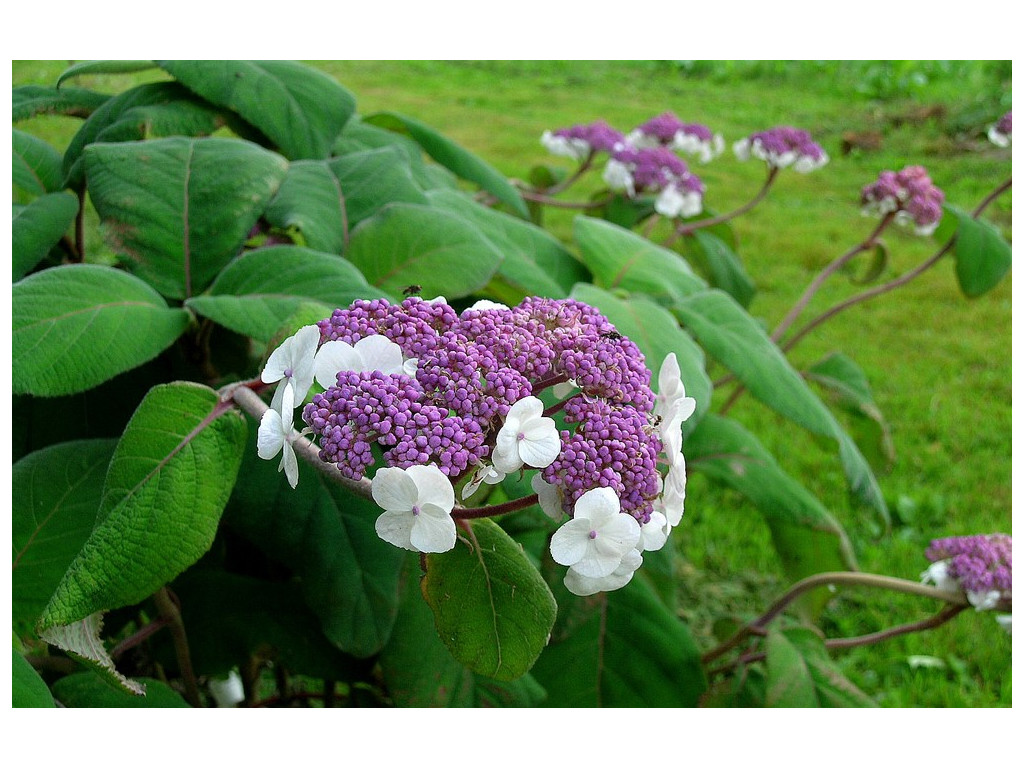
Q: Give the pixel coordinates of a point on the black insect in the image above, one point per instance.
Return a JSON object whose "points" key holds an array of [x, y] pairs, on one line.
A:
{"points": [[613, 335], [412, 290]]}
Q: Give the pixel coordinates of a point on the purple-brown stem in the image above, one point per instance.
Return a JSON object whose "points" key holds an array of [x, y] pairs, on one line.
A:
{"points": [[472, 513], [683, 229]]}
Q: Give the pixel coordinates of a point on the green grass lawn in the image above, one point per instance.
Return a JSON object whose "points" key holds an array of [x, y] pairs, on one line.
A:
{"points": [[939, 364]]}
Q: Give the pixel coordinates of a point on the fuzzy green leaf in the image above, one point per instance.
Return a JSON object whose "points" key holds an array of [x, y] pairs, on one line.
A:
{"points": [[31, 100], [722, 265], [76, 326], [620, 649], [983, 257], [789, 680], [259, 290], [734, 338], [621, 259], [55, 494], [168, 482], [535, 263], [326, 535], [35, 165], [81, 639], [297, 107], [491, 606], [179, 209], [104, 67], [458, 160], [86, 689], [39, 226], [405, 244], [27, 688]]}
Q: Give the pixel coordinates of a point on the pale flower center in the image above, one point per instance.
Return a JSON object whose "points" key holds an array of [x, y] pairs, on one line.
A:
{"points": [[593, 534], [520, 436]]}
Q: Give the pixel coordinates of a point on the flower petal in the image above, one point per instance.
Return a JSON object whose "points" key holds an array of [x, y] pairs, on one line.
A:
{"points": [[620, 577], [541, 444], [334, 356], [548, 496], [269, 436], [394, 490], [524, 409], [433, 529], [379, 353], [395, 527], [597, 505], [569, 543], [290, 464], [432, 487], [505, 455]]}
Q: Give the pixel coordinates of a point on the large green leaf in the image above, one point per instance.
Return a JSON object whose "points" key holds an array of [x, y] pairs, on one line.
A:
{"points": [[310, 205], [843, 379], [359, 136], [297, 107], [259, 290], [27, 688], [35, 165], [229, 618], [622, 259], [458, 160], [179, 209], [55, 494], [31, 100], [655, 331], [806, 536], [535, 263], [735, 339], [168, 482], [833, 689], [104, 67], [371, 179], [87, 689], [419, 671], [491, 606], [39, 226], [722, 265], [406, 244], [76, 326], [983, 257], [789, 680], [146, 111], [326, 535], [620, 649]]}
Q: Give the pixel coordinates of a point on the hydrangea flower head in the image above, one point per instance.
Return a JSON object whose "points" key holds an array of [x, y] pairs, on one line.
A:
{"points": [[980, 566], [1001, 132], [667, 130], [581, 141], [781, 147], [910, 194], [656, 170]]}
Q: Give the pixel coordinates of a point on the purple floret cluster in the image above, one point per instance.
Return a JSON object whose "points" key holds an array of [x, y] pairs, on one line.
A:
{"points": [[611, 445], [664, 129], [910, 194], [470, 369], [783, 146], [1001, 132], [980, 564], [580, 141]]}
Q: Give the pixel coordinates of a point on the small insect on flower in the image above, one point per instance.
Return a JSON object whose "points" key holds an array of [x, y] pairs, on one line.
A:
{"points": [[412, 290], [613, 335]]}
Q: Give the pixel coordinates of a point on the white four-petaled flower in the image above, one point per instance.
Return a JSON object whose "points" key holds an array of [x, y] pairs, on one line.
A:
{"points": [[370, 353], [292, 363], [417, 504], [275, 435], [595, 541], [483, 474], [527, 437]]}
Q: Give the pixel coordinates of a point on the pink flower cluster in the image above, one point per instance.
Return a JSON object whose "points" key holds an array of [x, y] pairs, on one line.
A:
{"points": [[909, 194]]}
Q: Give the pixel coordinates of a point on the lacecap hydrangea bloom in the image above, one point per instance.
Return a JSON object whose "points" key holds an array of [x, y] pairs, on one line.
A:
{"points": [[656, 170], [910, 194], [979, 566], [1001, 132], [470, 411], [667, 130], [782, 147], [581, 141]]}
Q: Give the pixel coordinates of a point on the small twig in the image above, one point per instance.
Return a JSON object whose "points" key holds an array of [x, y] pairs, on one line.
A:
{"points": [[169, 611], [139, 636], [683, 229]]}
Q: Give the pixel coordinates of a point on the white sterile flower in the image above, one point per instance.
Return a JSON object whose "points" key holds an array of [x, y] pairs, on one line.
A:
{"points": [[370, 353], [229, 691], [597, 538], [620, 577], [292, 362], [742, 149], [527, 437], [984, 601], [275, 435], [619, 177], [577, 149], [671, 403], [997, 137], [1005, 621], [549, 496], [485, 304], [806, 163], [483, 474], [938, 574], [671, 503], [654, 533], [417, 504]]}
